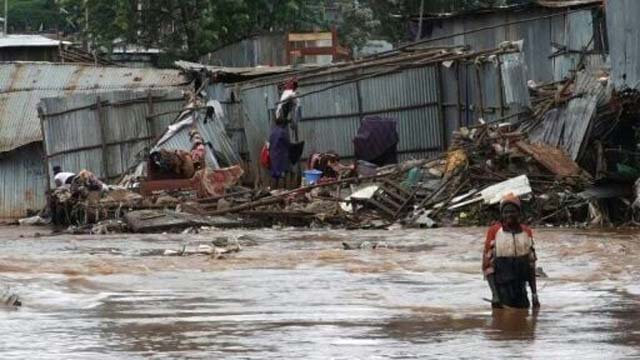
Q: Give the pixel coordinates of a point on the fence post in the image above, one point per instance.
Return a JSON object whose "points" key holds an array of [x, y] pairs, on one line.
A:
{"points": [[149, 118], [480, 92], [103, 139], [444, 136], [359, 97], [42, 116], [459, 95], [500, 87]]}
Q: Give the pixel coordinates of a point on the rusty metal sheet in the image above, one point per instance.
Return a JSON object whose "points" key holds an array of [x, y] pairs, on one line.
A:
{"points": [[24, 84], [553, 159]]}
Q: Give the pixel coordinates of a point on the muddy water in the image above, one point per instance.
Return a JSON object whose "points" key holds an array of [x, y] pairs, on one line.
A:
{"points": [[298, 295]]}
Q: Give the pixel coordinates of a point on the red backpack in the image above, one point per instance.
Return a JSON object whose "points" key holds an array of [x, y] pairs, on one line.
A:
{"points": [[265, 157]]}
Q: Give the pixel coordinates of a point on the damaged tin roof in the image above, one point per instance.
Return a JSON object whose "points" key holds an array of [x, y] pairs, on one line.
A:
{"points": [[22, 40], [23, 84], [237, 72]]}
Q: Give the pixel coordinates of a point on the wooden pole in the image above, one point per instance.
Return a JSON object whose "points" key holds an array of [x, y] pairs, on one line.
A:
{"points": [[103, 139], [6, 17], [419, 33]]}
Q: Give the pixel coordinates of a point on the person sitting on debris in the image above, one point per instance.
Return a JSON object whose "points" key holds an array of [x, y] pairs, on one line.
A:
{"points": [[62, 178], [87, 179], [198, 150], [329, 164], [509, 259]]}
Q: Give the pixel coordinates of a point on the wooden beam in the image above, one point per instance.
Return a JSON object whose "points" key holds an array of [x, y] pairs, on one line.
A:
{"points": [[310, 36]]}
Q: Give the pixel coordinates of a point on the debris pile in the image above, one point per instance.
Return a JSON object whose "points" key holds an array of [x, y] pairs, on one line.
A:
{"points": [[574, 160], [493, 160]]}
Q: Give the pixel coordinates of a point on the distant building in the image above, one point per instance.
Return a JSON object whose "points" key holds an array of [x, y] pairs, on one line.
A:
{"points": [[30, 48], [265, 49], [135, 56], [278, 49]]}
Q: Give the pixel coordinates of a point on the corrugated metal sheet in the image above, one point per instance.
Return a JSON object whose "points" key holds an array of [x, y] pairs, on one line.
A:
{"points": [[624, 32], [573, 31], [22, 181], [74, 135], [514, 80], [258, 50], [332, 111], [568, 127], [221, 152], [414, 92], [22, 85], [23, 40]]}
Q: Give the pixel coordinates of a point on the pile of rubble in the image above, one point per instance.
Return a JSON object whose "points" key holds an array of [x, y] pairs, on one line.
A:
{"points": [[574, 160]]}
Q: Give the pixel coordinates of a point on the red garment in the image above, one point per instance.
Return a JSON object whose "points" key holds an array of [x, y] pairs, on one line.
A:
{"points": [[265, 157], [490, 243]]}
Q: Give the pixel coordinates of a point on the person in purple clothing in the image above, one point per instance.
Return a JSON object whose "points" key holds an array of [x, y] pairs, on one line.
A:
{"points": [[279, 145]]}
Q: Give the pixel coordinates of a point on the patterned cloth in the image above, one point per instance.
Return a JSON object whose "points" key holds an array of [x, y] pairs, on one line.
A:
{"points": [[211, 182]]}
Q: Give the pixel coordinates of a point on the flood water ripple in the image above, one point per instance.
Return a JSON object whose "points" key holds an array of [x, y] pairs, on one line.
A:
{"points": [[298, 295]]}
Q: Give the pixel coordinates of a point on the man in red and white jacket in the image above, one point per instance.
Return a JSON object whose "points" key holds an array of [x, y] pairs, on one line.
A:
{"points": [[509, 259]]}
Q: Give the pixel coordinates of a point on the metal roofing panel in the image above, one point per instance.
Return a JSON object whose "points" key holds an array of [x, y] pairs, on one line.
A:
{"points": [[221, 152], [514, 80], [23, 84], [241, 71], [579, 30], [567, 127], [21, 40], [623, 42]]}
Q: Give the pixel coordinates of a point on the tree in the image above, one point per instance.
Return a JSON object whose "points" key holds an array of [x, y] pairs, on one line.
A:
{"points": [[33, 16], [189, 29]]}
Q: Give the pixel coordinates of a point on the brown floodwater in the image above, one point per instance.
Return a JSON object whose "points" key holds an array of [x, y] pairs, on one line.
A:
{"points": [[298, 295]]}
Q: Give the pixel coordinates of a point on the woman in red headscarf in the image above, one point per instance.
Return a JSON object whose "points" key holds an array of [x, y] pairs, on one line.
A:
{"points": [[509, 259]]}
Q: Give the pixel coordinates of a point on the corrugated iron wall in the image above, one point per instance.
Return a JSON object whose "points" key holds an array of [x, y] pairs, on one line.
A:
{"points": [[429, 102], [22, 181], [75, 128], [552, 45], [624, 40], [22, 85], [258, 50]]}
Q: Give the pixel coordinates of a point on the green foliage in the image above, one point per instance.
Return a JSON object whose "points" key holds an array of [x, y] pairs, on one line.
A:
{"points": [[32, 15], [191, 28]]}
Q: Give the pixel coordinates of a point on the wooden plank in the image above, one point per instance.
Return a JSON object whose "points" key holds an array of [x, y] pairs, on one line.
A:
{"points": [[310, 36], [313, 51]]}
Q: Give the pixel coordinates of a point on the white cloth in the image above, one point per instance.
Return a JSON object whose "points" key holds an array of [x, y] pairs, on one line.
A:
{"points": [[513, 245], [62, 177], [286, 95]]}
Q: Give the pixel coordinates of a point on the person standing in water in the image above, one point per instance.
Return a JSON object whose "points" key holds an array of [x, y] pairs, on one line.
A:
{"points": [[509, 259]]}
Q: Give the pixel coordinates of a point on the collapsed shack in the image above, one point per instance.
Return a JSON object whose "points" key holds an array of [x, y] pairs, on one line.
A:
{"points": [[569, 148], [124, 174], [574, 158]]}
